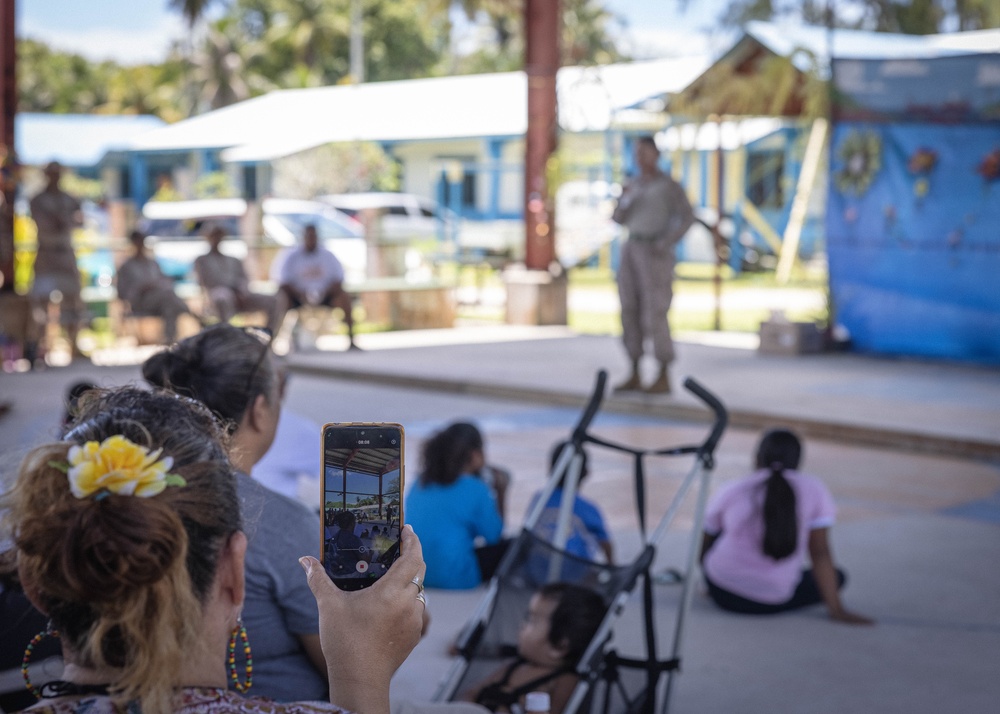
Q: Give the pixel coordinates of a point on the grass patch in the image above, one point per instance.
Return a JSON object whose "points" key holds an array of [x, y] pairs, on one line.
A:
{"points": [[692, 279], [697, 279], [595, 323]]}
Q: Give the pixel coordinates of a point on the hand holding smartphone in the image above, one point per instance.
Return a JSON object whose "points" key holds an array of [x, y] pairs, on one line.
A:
{"points": [[361, 492]]}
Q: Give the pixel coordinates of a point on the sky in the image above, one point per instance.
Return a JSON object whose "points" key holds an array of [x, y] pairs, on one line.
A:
{"points": [[136, 31]]}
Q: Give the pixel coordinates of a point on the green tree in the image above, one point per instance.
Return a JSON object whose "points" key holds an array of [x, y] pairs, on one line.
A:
{"points": [[219, 64], [215, 185], [336, 168], [585, 40], [307, 41], [191, 10], [65, 83], [740, 12], [917, 17], [311, 32], [146, 89], [60, 82], [401, 40], [922, 17]]}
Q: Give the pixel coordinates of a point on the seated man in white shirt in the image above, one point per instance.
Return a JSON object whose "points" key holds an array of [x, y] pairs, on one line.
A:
{"points": [[311, 275]]}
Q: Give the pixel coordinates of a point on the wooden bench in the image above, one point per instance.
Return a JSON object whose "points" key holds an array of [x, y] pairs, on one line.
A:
{"points": [[400, 303], [146, 329], [405, 304]]}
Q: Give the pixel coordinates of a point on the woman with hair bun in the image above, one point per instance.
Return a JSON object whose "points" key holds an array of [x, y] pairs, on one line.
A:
{"points": [[127, 535], [757, 533], [234, 373]]}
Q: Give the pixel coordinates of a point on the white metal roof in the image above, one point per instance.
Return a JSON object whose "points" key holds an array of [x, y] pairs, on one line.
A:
{"points": [[79, 140], [202, 208], [783, 39], [285, 122]]}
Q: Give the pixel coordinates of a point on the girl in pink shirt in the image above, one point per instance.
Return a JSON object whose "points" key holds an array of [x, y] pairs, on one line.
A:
{"points": [[758, 531]]}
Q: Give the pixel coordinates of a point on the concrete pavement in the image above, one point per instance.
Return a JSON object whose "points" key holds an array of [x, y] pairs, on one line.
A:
{"points": [[910, 449], [925, 406], [918, 527]]}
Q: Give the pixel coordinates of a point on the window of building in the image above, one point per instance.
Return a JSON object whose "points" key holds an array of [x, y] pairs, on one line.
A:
{"points": [[467, 185], [765, 178]]}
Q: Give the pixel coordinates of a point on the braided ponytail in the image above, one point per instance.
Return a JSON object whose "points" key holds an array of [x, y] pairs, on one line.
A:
{"points": [[779, 450]]}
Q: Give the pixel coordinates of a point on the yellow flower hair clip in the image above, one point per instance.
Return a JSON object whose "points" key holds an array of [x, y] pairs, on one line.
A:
{"points": [[117, 465]]}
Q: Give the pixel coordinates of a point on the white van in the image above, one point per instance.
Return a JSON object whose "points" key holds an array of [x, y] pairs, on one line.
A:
{"points": [[583, 220], [405, 216], [175, 231], [284, 220]]}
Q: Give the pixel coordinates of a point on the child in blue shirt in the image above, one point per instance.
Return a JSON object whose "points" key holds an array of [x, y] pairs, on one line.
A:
{"points": [[450, 509], [588, 535]]}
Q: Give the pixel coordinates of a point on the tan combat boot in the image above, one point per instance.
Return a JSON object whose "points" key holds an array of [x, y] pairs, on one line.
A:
{"points": [[662, 383], [633, 383]]}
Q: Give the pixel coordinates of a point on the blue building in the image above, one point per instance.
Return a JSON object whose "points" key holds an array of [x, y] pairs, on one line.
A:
{"points": [[458, 140], [89, 144]]}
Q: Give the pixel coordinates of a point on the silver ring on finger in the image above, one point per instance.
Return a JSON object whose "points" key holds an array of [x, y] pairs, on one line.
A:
{"points": [[422, 599], [416, 581]]}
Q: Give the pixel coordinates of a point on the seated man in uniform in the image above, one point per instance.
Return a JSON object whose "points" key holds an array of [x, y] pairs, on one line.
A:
{"points": [[225, 282], [142, 284]]}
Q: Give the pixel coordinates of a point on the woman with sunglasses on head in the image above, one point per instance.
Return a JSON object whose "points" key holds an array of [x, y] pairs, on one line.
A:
{"points": [[127, 535], [235, 374]]}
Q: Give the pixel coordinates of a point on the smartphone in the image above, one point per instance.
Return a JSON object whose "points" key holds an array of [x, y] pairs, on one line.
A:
{"points": [[361, 492]]}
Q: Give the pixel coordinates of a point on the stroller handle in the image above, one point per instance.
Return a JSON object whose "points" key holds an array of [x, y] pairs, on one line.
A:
{"points": [[721, 415], [596, 397]]}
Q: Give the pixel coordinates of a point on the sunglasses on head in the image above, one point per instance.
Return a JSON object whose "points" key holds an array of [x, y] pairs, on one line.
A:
{"points": [[265, 337]]}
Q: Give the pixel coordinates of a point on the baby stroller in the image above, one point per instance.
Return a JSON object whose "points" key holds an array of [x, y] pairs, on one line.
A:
{"points": [[608, 682]]}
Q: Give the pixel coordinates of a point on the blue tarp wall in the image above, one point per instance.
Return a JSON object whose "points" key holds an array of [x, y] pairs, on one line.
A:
{"points": [[913, 217]]}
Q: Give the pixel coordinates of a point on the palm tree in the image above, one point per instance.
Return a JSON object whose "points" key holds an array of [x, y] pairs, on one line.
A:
{"points": [[585, 24], [219, 68], [191, 10], [314, 30]]}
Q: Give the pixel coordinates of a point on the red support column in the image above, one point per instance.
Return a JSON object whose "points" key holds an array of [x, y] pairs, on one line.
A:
{"points": [[542, 19], [8, 107]]}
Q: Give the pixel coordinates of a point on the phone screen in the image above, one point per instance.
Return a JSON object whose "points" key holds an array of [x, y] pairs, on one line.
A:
{"points": [[362, 487]]}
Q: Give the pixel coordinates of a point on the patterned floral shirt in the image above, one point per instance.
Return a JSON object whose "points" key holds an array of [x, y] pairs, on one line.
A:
{"points": [[191, 700]]}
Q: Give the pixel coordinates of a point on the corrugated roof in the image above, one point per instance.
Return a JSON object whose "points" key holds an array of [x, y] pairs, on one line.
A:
{"points": [[491, 105], [77, 140], [784, 39], [810, 48]]}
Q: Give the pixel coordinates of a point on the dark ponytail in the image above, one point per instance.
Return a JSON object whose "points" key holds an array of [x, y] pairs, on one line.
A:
{"points": [[779, 450]]}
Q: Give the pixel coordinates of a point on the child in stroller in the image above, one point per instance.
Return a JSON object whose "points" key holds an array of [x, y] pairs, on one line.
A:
{"points": [[561, 621]]}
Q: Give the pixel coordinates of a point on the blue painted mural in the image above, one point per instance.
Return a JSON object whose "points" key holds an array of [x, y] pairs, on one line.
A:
{"points": [[913, 217]]}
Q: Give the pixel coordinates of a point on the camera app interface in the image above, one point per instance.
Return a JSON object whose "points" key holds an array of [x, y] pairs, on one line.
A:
{"points": [[361, 503]]}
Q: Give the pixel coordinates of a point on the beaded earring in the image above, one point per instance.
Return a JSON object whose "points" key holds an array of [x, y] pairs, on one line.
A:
{"points": [[241, 631], [49, 631]]}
